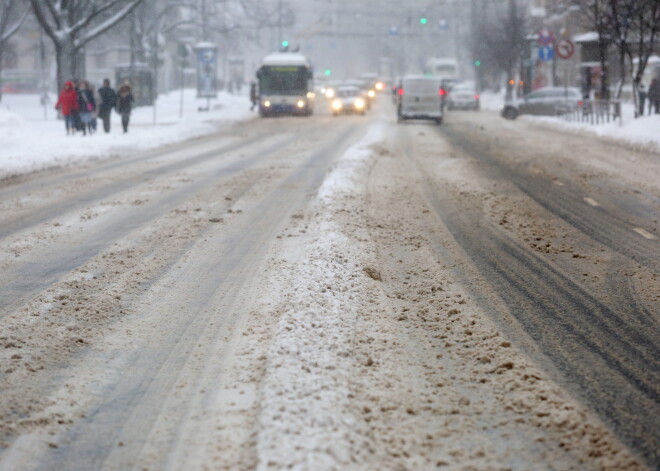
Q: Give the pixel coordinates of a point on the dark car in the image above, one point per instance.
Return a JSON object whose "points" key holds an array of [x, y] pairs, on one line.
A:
{"points": [[547, 101]]}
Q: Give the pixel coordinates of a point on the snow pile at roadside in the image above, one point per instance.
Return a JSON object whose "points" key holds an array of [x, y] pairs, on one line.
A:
{"points": [[643, 132], [9, 119], [30, 142], [306, 420]]}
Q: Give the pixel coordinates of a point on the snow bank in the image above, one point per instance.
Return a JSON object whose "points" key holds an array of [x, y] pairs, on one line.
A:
{"points": [[643, 132], [306, 420], [34, 141]]}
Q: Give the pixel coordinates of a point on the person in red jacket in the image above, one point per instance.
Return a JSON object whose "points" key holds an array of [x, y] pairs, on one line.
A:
{"points": [[68, 104]]}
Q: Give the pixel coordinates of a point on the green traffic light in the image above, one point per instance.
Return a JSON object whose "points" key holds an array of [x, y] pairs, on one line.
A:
{"points": [[328, 72], [477, 63], [423, 21], [285, 43]]}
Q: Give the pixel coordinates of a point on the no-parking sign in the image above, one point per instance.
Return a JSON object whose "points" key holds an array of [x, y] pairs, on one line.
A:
{"points": [[565, 48]]}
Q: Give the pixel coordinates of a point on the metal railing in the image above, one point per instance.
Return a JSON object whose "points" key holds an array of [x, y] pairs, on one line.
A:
{"points": [[595, 112]]}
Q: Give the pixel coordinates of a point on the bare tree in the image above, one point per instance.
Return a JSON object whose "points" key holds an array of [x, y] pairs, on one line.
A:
{"points": [[71, 24], [635, 25], [500, 36], [11, 20]]}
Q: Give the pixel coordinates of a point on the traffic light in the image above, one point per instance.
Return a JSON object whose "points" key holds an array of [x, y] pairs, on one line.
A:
{"points": [[285, 45], [477, 63], [423, 20], [328, 72]]}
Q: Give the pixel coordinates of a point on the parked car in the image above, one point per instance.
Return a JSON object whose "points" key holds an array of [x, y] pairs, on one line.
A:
{"points": [[349, 99], [419, 97], [463, 96], [548, 101]]}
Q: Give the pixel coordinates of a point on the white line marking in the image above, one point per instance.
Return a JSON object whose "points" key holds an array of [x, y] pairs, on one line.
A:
{"points": [[591, 202], [644, 233]]}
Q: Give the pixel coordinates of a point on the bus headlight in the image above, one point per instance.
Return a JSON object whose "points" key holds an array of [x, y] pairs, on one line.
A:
{"points": [[371, 94], [359, 103], [336, 105], [267, 104], [300, 104]]}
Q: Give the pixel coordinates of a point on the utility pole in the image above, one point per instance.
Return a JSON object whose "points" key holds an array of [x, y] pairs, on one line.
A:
{"points": [[205, 36], [279, 22]]}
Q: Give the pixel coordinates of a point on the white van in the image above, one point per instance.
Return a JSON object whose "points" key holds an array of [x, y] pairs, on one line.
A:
{"points": [[419, 97]]}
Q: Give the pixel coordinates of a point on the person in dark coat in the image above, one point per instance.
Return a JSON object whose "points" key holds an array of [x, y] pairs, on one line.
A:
{"points": [[87, 106], [654, 95], [108, 102], [67, 103], [253, 95], [641, 95], [125, 104]]}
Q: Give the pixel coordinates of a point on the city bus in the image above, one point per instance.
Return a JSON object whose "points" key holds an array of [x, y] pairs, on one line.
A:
{"points": [[286, 85]]}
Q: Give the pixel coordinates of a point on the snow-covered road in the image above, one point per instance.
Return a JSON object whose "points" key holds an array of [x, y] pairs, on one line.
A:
{"points": [[335, 294]]}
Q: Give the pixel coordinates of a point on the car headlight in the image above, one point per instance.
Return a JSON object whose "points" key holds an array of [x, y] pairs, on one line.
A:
{"points": [[380, 86], [330, 93], [371, 93], [336, 105], [359, 103], [267, 104], [310, 95], [300, 104]]}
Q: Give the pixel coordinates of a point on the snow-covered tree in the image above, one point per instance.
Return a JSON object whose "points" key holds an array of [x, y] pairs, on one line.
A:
{"points": [[71, 24], [12, 16]]}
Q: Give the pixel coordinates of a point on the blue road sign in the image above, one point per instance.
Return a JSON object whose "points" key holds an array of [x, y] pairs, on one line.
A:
{"points": [[546, 53]]}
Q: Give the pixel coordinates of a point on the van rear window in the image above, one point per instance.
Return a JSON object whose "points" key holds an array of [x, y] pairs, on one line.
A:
{"points": [[421, 86]]}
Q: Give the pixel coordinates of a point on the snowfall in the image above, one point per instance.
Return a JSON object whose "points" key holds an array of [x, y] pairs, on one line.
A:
{"points": [[33, 139]]}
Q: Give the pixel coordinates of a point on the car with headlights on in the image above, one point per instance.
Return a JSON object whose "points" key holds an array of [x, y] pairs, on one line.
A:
{"points": [[348, 99], [368, 93]]}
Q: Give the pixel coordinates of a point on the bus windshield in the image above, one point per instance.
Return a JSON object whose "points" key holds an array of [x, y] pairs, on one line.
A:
{"points": [[283, 80]]}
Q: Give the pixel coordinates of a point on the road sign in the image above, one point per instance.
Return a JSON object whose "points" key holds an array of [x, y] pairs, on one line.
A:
{"points": [[546, 53], [546, 38], [565, 49]]}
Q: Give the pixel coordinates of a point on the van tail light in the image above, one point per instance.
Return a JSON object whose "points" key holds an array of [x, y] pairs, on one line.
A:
{"points": [[442, 92], [400, 92], [476, 97]]}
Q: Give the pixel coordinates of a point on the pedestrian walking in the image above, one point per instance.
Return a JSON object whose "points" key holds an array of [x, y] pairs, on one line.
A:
{"points": [[125, 104], [654, 95], [95, 113], [253, 95], [107, 103], [67, 103], [641, 95], [87, 106]]}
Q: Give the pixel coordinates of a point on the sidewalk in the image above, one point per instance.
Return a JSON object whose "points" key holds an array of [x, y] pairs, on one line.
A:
{"points": [[30, 142]]}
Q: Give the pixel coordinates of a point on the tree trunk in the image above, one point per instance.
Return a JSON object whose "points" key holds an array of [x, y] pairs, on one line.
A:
{"points": [[66, 56], [622, 73], [2, 50]]}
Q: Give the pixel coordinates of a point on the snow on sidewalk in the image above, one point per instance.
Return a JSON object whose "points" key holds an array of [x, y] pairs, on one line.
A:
{"points": [[643, 132], [28, 142]]}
